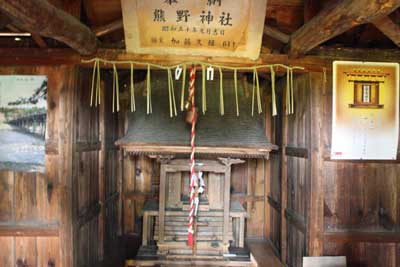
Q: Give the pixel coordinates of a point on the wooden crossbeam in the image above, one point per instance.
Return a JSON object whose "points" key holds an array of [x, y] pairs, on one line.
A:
{"points": [[276, 34], [37, 38], [389, 28], [108, 28], [335, 19], [318, 59], [41, 18], [311, 8]]}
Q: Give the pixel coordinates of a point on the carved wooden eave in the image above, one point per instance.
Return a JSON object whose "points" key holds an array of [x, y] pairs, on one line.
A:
{"points": [[234, 152], [217, 135]]}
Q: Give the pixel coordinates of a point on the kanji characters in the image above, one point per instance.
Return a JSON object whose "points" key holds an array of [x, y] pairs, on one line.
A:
{"points": [[159, 15], [182, 15], [225, 19], [213, 2], [170, 2], [206, 17]]}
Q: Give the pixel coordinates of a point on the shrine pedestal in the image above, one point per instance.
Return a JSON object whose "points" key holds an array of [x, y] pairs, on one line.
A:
{"points": [[220, 223]]}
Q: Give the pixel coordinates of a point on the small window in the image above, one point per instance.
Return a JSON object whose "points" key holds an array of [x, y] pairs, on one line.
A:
{"points": [[366, 95], [366, 89]]}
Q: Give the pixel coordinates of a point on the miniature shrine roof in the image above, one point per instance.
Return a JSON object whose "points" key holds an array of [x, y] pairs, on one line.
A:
{"points": [[226, 135]]}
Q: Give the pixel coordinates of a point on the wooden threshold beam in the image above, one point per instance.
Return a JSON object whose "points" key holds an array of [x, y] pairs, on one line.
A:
{"points": [[335, 19], [298, 152], [29, 230], [387, 26], [354, 236], [41, 18]]}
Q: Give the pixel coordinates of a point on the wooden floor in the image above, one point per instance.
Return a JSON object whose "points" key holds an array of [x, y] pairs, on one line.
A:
{"points": [[260, 249], [263, 253]]}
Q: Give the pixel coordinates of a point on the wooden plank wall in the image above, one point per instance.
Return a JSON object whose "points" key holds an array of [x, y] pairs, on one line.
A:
{"points": [[95, 175], [293, 173], [29, 220], [274, 195], [67, 216], [86, 169], [361, 203], [36, 209], [348, 208]]}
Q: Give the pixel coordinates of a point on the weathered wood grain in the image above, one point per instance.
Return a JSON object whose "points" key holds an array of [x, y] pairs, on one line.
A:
{"points": [[6, 196], [389, 28], [51, 22], [336, 19]]}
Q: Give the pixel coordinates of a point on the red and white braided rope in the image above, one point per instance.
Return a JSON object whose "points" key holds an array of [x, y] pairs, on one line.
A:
{"points": [[192, 161]]}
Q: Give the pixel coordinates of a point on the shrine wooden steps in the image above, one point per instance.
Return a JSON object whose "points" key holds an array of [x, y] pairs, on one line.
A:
{"points": [[209, 227], [147, 256]]}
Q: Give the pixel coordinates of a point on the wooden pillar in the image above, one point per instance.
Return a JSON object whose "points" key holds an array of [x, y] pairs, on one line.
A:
{"points": [[66, 142], [316, 219], [284, 181], [102, 159], [227, 193], [161, 213]]}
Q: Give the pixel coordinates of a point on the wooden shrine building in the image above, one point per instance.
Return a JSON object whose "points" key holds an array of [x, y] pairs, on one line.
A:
{"points": [[199, 133]]}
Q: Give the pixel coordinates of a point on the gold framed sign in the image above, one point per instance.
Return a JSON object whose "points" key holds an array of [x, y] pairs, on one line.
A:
{"points": [[365, 113], [202, 27]]}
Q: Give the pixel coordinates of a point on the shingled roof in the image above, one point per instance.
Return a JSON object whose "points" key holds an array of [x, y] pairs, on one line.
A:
{"points": [[222, 135]]}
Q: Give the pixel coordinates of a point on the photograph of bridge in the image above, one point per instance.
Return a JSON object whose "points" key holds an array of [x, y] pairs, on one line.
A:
{"points": [[23, 109]]}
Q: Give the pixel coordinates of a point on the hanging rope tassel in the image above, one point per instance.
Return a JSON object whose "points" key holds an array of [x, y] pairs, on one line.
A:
{"points": [[203, 89], [236, 91], [183, 88], [192, 161], [133, 101], [291, 92], [93, 82], [221, 93], [148, 85], [274, 111], [171, 95], [115, 89], [256, 90], [288, 108], [98, 84]]}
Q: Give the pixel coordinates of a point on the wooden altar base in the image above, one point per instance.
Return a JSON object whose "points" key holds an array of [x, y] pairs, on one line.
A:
{"points": [[147, 256]]}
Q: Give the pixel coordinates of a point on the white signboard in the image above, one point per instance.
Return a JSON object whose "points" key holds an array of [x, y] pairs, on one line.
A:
{"points": [[201, 27], [365, 123]]}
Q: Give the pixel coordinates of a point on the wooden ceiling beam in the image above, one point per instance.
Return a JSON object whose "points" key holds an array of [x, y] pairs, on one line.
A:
{"points": [[335, 19], [311, 9], [387, 26], [39, 40], [276, 34], [108, 28], [4, 21], [36, 38], [318, 59], [41, 18]]}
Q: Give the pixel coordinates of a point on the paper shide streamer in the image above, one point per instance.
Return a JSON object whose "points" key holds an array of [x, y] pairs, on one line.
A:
{"points": [[256, 101]]}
